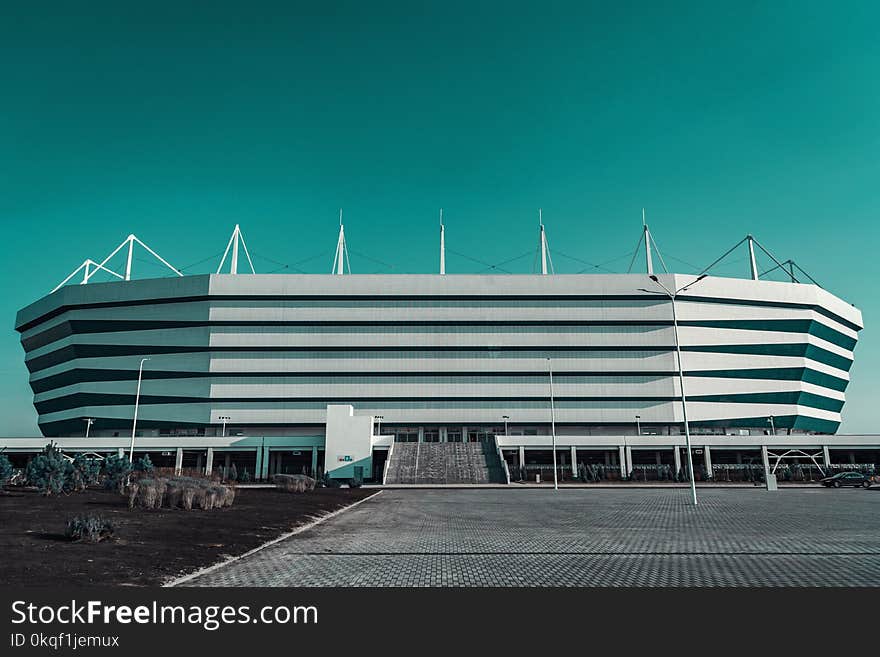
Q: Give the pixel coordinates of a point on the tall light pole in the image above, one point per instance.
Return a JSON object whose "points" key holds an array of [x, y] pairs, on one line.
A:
{"points": [[224, 419], [89, 422], [505, 418], [638, 425], [553, 425], [137, 399], [687, 432], [379, 419], [772, 426]]}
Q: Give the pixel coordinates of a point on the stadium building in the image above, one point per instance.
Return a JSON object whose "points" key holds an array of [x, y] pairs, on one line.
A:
{"points": [[442, 378]]}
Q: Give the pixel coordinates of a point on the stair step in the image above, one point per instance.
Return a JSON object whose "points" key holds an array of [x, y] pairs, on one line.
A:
{"points": [[444, 463]]}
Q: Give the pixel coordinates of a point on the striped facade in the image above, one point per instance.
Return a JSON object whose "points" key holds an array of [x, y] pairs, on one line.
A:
{"points": [[439, 352]]}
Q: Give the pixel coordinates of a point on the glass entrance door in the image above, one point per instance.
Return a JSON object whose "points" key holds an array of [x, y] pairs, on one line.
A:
{"points": [[483, 435], [406, 436]]}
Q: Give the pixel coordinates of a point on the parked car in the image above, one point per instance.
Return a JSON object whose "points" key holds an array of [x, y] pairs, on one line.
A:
{"points": [[848, 479]]}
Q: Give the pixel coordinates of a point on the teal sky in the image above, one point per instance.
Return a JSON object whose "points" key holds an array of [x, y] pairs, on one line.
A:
{"points": [[176, 120]]}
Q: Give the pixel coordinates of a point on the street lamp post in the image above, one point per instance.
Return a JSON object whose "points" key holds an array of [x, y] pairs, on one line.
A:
{"points": [[772, 426], [89, 422], [553, 425], [638, 425], [137, 399], [687, 433], [505, 418], [224, 419], [379, 419]]}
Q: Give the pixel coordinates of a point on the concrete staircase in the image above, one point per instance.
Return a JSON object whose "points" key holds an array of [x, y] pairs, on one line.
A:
{"points": [[444, 463]]}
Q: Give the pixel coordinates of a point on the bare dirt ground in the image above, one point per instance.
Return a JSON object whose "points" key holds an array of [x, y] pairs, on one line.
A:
{"points": [[149, 547]]}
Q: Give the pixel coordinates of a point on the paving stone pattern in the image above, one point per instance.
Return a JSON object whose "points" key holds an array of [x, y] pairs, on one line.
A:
{"points": [[580, 537]]}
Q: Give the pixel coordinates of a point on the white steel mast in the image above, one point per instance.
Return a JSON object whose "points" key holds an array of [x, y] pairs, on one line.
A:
{"points": [[235, 240], [753, 265], [543, 238], [442, 245], [647, 235], [340, 260]]}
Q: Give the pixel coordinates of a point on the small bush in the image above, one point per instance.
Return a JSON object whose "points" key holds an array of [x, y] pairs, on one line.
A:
{"points": [[147, 493], [330, 482], [355, 482], [293, 483], [5, 470], [90, 528], [179, 492], [245, 477], [51, 473]]}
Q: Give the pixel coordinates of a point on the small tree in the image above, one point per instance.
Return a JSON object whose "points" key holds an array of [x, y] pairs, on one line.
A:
{"points": [[86, 472], [5, 469], [233, 473], [144, 465], [116, 472], [245, 477], [51, 473]]}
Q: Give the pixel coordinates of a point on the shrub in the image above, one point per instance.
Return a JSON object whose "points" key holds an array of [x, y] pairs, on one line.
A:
{"points": [[233, 473], [86, 471], [355, 482], [330, 482], [116, 472], [144, 465], [51, 473], [245, 477], [147, 493], [293, 483], [5, 469], [89, 527], [179, 492]]}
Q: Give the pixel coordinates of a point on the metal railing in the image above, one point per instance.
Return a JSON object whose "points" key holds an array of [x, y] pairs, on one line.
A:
{"points": [[387, 463], [502, 460]]}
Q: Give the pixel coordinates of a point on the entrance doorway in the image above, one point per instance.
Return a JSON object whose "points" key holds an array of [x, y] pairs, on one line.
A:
{"points": [[482, 435], [406, 436]]}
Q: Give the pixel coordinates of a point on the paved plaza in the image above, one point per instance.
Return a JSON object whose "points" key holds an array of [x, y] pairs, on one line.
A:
{"points": [[580, 537]]}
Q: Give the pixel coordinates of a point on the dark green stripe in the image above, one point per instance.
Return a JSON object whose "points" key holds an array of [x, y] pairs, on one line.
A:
{"points": [[82, 375], [78, 399], [808, 326], [71, 352], [76, 327], [22, 326], [796, 349], [779, 374], [790, 397]]}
